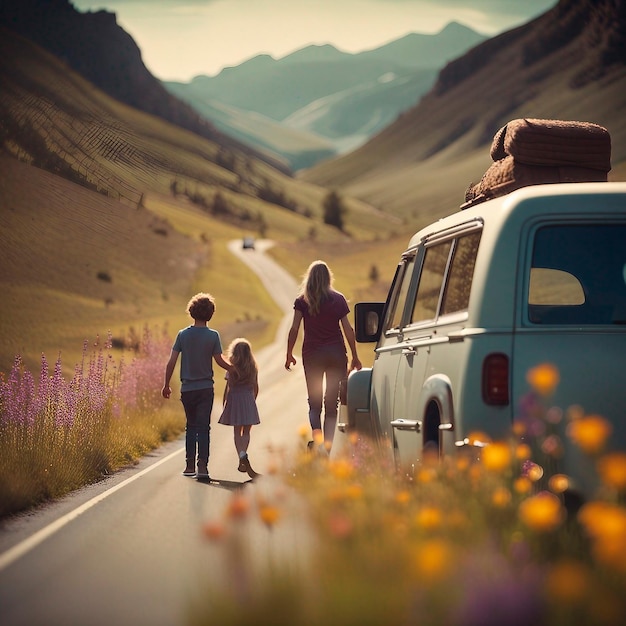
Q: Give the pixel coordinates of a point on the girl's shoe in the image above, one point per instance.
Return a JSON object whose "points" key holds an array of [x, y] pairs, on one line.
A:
{"points": [[190, 470], [244, 464]]}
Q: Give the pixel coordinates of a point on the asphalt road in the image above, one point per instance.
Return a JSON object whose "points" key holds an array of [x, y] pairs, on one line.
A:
{"points": [[130, 550]]}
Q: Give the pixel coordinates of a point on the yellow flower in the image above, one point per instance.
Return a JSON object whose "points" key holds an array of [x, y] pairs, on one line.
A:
{"points": [[354, 492], [522, 485], [428, 518], [612, 470], [403, 497], [590, 433], [544, 378], [568, 582], [501, 497], [558, 483], [603, 519], [496, 457], [434, 559], [478, 438], [542, 513], [426, 475], [523, 452], [269, 514], [606, 525], [341, 468]]}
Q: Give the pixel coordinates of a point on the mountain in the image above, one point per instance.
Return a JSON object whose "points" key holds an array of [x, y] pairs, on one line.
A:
{"points": [[569, 63], [96, 47], [326, 101]]}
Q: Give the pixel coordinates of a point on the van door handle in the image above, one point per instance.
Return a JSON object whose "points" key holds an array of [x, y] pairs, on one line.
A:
{"points": [[409, 351], [402, 424]]}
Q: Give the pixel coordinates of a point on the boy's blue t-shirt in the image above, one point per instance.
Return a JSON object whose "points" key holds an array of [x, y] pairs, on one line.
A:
{"points": [[197, 345]]}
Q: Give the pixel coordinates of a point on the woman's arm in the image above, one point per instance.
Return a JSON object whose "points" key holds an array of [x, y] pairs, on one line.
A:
{"points": [[291, 339], [348, 331]]}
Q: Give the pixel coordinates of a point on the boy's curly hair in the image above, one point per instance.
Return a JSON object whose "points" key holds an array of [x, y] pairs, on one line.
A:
{"points": [[201, 307]]}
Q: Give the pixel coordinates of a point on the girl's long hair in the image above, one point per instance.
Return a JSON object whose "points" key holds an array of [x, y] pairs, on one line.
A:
{"points": [[245, 369], [316, 285]]}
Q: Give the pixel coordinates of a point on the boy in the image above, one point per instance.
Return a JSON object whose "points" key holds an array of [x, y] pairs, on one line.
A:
{"points": [[199, 345]]}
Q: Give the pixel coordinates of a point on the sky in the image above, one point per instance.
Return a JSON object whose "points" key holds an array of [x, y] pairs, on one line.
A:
{"points": [[180, 39]]}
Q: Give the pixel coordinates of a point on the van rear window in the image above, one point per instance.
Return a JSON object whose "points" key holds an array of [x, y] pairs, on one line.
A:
{"points": [[578, 275]]}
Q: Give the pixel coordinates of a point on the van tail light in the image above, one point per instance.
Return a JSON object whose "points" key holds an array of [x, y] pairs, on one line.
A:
{"points": [[496, 379]]}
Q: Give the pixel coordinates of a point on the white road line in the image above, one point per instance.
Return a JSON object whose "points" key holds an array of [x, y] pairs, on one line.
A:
{"points": [[31, 542]]}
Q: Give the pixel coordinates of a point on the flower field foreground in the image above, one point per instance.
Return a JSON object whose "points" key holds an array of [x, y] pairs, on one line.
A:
{"points": [[57, 435], [462, 541]]}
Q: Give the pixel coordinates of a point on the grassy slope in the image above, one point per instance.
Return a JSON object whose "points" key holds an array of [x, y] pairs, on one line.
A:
{"points": [[58, 236]]}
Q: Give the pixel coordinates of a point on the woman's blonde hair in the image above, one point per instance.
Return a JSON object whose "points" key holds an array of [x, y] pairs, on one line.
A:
{"points": [[240, 355], [316, 285]]}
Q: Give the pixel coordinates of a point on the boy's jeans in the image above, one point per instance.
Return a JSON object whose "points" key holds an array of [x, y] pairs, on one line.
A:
{"points": [[198, 405]]}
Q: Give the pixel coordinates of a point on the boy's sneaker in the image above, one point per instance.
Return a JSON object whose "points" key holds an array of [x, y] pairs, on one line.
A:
{"points": [[190, 470], [203, 472]]}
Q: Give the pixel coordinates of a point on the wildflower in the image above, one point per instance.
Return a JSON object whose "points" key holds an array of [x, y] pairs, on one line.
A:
{"points": [[434, 559], [341, 469], [612, 470], [558, 483], [522, 485], [552, 446], [213, 531], [532, 471], [403, 497], [340, 525], [496, 457], [567, 582], [238, 507], [426, 475], [428, 518], [501, 497], [354, 492], [544, 378], [606, 525], [478, 438], [523, 452], [542, 513], [590, 433], [269, 514]]}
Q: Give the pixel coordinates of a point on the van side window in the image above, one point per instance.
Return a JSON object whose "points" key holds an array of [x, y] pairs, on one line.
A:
{"points": [[577, 274], [431, 280], [398, 297], [456, 297]]}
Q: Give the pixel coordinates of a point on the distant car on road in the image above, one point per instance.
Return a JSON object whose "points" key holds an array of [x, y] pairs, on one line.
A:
{"points": [[248, 243]]}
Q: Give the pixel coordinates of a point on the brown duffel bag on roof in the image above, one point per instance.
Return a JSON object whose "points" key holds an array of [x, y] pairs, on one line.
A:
{"points": [[534, 152]]}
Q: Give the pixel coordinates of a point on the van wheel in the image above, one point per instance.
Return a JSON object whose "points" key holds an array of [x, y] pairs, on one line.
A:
{"points": [[431, 431]]}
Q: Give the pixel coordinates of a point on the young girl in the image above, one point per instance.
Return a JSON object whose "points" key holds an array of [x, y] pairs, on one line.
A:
{"points": [[240, 410]]}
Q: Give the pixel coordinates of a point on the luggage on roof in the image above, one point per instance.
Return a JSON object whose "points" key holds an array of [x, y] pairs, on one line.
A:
{"points": [[534, 152]]}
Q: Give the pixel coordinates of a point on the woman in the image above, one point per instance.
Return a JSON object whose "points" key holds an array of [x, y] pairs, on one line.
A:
{"points": [[325, 314]]}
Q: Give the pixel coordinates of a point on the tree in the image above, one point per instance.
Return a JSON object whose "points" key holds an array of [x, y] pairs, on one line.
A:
{"points": [[334, 210]]}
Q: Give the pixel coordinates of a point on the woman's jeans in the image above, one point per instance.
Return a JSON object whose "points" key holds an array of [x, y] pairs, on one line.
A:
{"points": [[198, 405], [332, 362]]}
